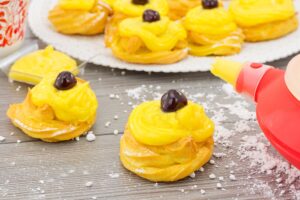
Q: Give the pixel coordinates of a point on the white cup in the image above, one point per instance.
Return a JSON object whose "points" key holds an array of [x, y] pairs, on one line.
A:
{"points": [[13, 15]]}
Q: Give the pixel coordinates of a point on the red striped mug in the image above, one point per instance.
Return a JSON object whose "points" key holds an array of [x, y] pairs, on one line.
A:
{"points": [[12, 25]]}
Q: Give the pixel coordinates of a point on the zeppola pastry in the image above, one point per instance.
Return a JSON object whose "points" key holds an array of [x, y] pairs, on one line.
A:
{"points": [[212, 30], [151, 39], [61, 107], [131, 8], [33, 67], [82, 17], [179, 8], [167, 140], [264, 19]]}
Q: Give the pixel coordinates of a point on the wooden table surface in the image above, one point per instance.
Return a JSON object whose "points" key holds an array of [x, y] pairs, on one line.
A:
{"points": [[32, 169]]}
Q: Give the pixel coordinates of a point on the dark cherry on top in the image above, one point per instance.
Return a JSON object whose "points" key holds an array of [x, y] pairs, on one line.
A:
{"points": [[151, 16], [65, 81], [140, 2], [172, 101], [210, 4]]}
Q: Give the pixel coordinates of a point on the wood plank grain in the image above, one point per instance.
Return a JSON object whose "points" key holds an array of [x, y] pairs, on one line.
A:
{"points": [[37, 170]]}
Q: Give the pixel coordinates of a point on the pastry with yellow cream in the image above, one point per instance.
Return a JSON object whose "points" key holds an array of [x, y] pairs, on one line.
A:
{"points": [[264, 19], [150, 39], [212, 30], [179, 8], [128, 9], [59, 108], [82, 17], [34, 66], [167, 140]]}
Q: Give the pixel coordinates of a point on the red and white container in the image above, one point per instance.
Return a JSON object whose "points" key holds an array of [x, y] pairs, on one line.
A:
{"points": [[12, 25], [276, 93]]}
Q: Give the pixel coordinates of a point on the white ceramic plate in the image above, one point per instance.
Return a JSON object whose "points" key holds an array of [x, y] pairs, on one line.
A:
{"points": [[83, 47]]}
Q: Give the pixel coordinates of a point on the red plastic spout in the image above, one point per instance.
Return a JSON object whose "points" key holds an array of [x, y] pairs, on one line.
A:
{"points": [[278, 111], [250, 78]]}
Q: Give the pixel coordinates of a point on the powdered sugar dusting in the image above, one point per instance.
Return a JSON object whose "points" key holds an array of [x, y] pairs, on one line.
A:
{"points": [[136, 93], [142, 92], [239, 108], [228, 89], [261, 156], [114, 175]]}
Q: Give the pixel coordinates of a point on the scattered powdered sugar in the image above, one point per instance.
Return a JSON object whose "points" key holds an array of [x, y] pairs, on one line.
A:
{"points": [[114, 175], [219, 154], [211, 97], [260, 187], [295, 191], [116, 132], [219, 186], [112, 96], [264, 159], [193, 175], [142, 92], [239, 108], [18, 88], [212, 176], [219, 116], [228, 89], [90, 136], [202, 191], [89, 184], [242, 126], [232, 177], [137, 93], [107, 124], [2, 139], [157, 95], [196, 97], [222, 135]]}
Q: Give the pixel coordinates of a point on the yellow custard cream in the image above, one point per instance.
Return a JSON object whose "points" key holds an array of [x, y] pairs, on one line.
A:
{"points": [[33, 67], [130, 9], [77, 4], [249, 13], [75, 105], [162, 35], [179, 8], [149, 125], [215, 21]]}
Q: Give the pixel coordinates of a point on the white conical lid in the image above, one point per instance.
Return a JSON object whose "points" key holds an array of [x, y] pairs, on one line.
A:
{"points": [[292, 76]]}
